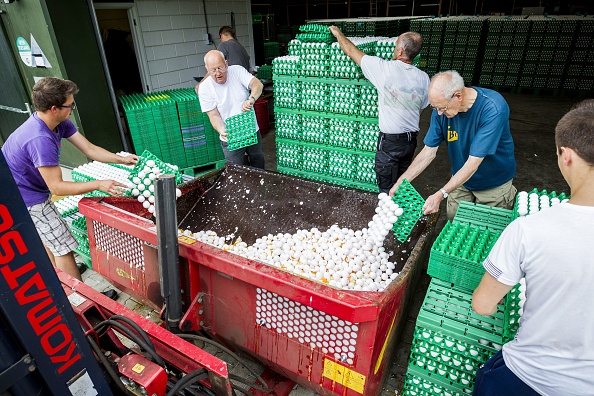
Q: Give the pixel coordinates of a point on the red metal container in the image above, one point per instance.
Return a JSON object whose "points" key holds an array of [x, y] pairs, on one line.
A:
{"points": [[262, 115], [336, 342]]}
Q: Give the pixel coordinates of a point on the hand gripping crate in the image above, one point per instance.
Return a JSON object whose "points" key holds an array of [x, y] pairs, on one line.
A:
{"points": [[258, 308]]}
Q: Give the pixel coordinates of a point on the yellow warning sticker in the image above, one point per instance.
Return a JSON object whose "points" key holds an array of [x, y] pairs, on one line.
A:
{"points": [[138, 368], [124, 274], [344, 376], [186, 239]]}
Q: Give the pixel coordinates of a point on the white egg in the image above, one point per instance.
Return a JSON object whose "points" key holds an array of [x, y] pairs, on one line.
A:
{"points": [[151, 199], [151, 188], [135, 192], [141, 187], [178, 192], [146, 204], [141, 198], [141, 174], [146, 193], [150, 163], [151, 209], [135, 180]]}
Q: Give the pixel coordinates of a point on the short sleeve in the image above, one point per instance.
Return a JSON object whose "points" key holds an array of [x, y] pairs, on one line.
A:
{"points": [[491, 126], [505, 260], [69, 129], [434, 135], [206, 96], [371, 67], [244, 76]]}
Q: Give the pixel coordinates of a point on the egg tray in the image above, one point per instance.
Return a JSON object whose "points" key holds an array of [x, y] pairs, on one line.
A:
{"points": [[512, 316], [552, 194], [448, 309], [483, 216], [473, 351], [421, 383], [458, 253], [70, 205], [411, 203], [454, 377], [242, 130], [163, 166]]}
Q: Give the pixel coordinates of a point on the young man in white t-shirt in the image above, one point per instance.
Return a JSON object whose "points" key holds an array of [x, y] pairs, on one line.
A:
{"points": [[553, 351], [225, 92]]}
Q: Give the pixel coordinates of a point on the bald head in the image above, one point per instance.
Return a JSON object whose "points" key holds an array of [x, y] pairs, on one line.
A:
{"points": [[410, 43], [212, 57], [216, 66], [445, 84]]}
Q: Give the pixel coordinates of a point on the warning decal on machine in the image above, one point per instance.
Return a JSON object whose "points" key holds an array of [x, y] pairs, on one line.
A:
{"points": [[344, 375]]}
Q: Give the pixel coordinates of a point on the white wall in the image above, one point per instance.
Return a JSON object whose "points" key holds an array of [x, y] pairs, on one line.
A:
{"points": [[172, 34]]}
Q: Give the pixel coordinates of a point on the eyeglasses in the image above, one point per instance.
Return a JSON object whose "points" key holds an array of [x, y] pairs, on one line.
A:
{"points": [[218, 70], [443, 110], [71, 107]]}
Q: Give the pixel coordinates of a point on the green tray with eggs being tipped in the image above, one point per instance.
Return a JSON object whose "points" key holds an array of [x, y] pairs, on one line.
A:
{"points": [[411, 203]]}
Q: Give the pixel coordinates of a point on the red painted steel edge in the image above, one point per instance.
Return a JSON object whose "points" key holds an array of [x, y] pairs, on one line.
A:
{"points": [[184, 355]]}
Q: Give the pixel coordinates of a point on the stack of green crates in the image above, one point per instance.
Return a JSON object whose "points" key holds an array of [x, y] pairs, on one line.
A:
{"points": [[265, 72], [166, 120], [200, 145], [141, 123], [171, 125], [271, 50], [450, 342]]}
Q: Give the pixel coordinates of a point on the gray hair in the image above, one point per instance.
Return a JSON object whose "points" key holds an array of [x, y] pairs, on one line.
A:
{"points": [[205, 56], [452, 82], [411, 43]]}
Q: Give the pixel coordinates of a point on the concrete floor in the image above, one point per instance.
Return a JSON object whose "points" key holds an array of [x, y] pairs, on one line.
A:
{"points": [[533, 120]]}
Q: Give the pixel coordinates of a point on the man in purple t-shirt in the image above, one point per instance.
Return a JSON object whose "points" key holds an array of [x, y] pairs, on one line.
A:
{"points": [[32, 153]]}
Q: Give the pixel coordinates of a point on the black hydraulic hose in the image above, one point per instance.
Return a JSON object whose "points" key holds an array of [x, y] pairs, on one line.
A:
{"points": [[112, 373], [244, 381], [193, 390], [206, 391], [187, 380], [224, 349], [235, 389], [133, 337], [134, 325]]}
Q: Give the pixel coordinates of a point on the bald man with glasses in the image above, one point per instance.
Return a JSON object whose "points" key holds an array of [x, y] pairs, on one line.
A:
{"points": [[225, 92], [474, 123]]}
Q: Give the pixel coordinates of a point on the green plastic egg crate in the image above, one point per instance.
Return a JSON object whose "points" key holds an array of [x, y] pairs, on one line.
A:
{"points": [[242, 130], [411, 203], [163, 166]]}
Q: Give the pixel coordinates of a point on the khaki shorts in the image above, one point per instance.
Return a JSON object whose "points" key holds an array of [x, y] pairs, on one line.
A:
{"points": [[500, 197], [52, 228]]}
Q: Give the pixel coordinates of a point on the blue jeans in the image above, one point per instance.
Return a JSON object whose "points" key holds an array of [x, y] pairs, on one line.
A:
{"points": [[255, 154], [495, 379]]}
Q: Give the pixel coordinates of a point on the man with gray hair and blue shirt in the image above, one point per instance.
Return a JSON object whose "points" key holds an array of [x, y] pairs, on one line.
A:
{"points": [[225, 92], [402, 96], [474, 122]]}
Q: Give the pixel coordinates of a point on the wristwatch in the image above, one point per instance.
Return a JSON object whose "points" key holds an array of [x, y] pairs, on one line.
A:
{"points": [[251, 97], [444, 193]]}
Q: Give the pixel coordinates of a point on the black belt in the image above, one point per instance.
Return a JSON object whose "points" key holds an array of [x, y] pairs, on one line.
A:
{"points": [[399, 136]]}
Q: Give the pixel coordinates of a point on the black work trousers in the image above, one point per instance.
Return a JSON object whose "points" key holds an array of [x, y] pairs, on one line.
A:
{"points": [[394, 155]]}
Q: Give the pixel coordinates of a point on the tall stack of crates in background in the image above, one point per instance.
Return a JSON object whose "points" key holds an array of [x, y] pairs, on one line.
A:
{"points": [[368, 27], [580, 69], [171, 125], [519, 53], [450, 340], [326, 112], [432, 43]]}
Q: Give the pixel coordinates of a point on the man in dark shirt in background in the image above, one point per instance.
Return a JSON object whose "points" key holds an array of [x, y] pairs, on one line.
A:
{"points": [[234, 52]]}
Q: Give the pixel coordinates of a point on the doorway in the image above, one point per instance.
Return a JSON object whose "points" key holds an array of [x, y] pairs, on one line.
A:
{"points": [[124, 51]]}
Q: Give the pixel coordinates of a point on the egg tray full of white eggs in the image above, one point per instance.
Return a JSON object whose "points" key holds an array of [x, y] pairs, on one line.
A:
{"points": [[146, 170], [534, 201], [338, 257], [100, 171]]}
